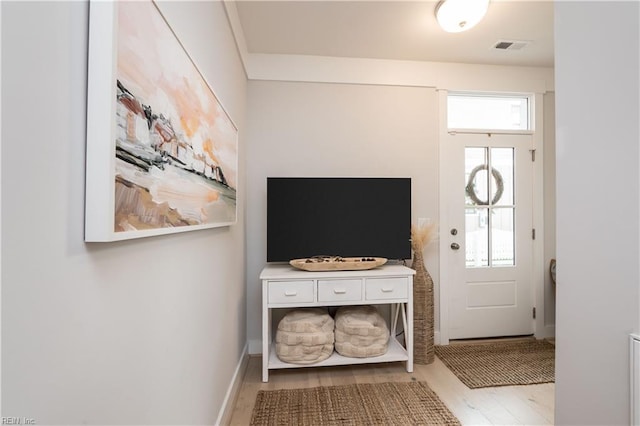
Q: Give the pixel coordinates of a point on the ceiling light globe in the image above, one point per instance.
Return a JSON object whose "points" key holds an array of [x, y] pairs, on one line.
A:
{"points": [[455, 16]]}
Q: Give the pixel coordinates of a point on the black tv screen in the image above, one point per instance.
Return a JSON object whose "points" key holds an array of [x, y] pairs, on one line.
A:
{"points": [[348, 217]]}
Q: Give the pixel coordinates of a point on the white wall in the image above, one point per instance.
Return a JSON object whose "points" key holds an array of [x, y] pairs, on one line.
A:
{"points": [[597, 155], [328, 129], [316, 129], [146, 331], [549, 209]]}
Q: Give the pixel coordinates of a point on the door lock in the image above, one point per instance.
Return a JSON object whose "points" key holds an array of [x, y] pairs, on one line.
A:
{"points": [[454, 231], [455, 246]]}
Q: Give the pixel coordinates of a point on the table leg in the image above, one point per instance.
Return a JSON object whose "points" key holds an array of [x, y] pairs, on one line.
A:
{"points": [[408, 335], [266, 340]]}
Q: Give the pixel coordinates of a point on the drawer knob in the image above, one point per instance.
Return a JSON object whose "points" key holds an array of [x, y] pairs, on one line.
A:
{"points": [[387, 289], [290, 293], [339, 290]]}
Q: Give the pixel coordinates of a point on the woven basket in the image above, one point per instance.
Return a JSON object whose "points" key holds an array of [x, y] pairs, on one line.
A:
{"points": [[423, 350]]}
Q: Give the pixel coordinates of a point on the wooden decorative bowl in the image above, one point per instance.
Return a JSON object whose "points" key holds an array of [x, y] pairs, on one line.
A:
{"points": [[336, 263]]}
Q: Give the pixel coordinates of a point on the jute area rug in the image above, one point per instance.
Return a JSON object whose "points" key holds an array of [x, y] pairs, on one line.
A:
{"points": [[406, 403], [480, 365]]}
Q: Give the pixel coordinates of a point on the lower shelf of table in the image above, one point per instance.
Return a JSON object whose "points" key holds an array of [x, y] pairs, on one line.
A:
{"points": [[395, 352]]}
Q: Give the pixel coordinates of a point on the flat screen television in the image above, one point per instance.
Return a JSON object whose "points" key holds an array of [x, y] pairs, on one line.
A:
{"points": [[338, 216]]}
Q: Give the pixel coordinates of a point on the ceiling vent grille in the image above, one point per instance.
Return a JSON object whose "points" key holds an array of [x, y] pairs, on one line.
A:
{"points": [[511, 44]]}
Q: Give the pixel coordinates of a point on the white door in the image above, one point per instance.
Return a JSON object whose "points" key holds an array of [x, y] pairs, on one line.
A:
{"points": [[489, 234]]}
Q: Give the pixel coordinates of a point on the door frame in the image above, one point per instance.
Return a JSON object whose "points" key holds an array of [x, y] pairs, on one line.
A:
{"points": [[538, 266]]}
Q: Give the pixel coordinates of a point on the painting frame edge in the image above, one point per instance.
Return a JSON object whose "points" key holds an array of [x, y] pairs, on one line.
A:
{"points": [[100, 133]]}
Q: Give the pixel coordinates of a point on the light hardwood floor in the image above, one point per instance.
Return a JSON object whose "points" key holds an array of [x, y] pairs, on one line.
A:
{"points": [[507, 405]]}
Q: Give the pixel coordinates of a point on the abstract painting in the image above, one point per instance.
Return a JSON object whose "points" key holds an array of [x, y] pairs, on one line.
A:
{"points": [[172, 147]]}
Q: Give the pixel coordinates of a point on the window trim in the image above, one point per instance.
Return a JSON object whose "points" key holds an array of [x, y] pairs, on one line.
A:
{"points": [[458, 131]]}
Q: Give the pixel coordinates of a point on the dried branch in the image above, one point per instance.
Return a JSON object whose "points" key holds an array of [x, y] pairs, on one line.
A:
{"points": [[421, 236]]}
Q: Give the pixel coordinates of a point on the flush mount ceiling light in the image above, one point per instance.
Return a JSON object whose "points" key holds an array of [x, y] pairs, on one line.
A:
{"points": [[455, 16]]}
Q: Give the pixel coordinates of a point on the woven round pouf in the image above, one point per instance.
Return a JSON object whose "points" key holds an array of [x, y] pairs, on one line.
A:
{"points": [[305, 336], [361, 332]]}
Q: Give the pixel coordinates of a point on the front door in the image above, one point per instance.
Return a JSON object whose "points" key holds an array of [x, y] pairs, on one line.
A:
{"points": [[489, 234]]}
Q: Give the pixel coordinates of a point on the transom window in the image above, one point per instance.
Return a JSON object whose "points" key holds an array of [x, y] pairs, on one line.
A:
{"points": [[488, 112]]}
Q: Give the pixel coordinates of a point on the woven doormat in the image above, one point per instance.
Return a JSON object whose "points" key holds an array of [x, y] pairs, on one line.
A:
{"points": [[407, 403], [480, 365]]}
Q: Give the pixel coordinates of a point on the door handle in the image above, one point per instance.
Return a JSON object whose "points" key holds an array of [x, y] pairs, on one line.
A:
{"points": [[455, 246]]}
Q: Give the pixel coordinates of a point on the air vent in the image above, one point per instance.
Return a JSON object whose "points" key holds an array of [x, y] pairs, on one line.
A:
{"points": [[511, 44]]}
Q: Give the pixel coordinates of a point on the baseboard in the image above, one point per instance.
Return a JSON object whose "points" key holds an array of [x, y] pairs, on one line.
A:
{"points": [[436, 337], [255, 346], [549, 331], [224, 416]]}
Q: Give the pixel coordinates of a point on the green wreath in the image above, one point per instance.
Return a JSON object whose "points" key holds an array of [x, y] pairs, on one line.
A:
{"points": [[471, 188]]}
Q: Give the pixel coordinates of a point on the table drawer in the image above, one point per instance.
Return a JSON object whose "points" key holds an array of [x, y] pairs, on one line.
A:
{"points": [[386, 288], [290, 291], [339, 290]]}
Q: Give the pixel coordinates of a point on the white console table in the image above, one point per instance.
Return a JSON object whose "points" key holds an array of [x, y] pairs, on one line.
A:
{"points": [[286, 287]]}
